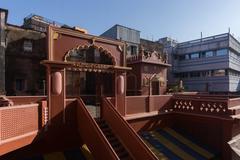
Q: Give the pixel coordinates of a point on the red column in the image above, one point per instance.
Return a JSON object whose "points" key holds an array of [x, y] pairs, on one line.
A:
{"points": [[120, 92]]}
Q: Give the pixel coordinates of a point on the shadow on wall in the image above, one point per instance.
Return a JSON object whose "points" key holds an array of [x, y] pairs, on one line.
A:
{"points": [[55, 138]]}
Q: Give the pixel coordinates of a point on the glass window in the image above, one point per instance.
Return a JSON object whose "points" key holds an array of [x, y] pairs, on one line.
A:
{"points": [[194, 55], [133, 50], [181, 75], [181, 57], [221, 52], [184, 75], [219, 72], [195, 74], [206, 74], [203, 54], [176, 75], [209, 54], [27, 46], [187, 56]]}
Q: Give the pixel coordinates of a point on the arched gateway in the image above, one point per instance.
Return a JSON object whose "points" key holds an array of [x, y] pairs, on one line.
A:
{"points": [[83, 65]]}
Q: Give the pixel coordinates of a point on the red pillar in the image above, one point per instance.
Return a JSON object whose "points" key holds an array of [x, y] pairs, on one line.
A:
{"points": [[120, 92]]}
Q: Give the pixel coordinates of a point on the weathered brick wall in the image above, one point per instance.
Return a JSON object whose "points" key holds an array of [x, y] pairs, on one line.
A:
{"points": [[2, 70], [2, 51]]}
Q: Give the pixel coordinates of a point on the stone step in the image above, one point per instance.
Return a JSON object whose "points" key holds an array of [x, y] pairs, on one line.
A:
{"points": [[237, 116], [235, 109]]}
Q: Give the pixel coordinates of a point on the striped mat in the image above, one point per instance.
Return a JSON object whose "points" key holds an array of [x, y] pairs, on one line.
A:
{"points": [[168, 144], [74, 154]]}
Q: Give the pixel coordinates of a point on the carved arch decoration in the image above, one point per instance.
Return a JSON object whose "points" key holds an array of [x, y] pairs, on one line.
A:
{"points": [[86, 47]]}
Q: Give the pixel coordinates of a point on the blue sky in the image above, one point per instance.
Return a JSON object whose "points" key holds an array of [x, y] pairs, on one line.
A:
{"points": [[180, 19]]}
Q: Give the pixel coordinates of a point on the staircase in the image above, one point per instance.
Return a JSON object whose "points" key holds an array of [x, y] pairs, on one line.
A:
{"points": [[113, 140], [235, 111]]}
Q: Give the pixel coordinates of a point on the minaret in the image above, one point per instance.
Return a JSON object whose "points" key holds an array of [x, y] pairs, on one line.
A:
{"points": [[3, 22]]}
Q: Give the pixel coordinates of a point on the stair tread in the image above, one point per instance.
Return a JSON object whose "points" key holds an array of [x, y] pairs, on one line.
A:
{"points": [[237, 116], [234, 107], [113, 140]]}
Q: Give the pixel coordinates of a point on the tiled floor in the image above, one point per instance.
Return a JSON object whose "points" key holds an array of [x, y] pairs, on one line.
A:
{"points": [[74, 154], [167, 143]]}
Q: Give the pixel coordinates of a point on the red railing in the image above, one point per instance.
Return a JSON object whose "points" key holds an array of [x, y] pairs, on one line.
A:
{"points": [[92, 135], [136, 104], [128, 137], [18, 100], [44, 114], [19, 125], [212, 105], [144, 104], [206, 96]]}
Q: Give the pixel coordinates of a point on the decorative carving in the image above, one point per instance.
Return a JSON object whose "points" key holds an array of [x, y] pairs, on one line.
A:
{"points": [[217, 108], [91, 67], [56, 35], [86, 47], [120, 48], [93, 41]]}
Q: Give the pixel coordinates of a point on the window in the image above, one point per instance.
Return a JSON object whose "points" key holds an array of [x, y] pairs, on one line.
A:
{"points": [[194, 55], [175, 57], [27, 46], [222, 52], [187, 56], [20, 84], [209, 54], [203, 54], [219, 72], [176, 75], [133, 50], [195, 74], [206, 74], [233, 73], [183, 75], [181, 58]]}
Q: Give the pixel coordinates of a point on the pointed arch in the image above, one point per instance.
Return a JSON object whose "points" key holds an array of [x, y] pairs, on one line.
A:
{"points": [[86, 47]]}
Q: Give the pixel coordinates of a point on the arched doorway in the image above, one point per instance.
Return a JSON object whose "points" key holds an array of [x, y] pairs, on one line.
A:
{"points": [[92, 82]]}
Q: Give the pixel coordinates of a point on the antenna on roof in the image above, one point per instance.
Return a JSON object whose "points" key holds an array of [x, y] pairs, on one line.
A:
{"points": [[201, 36], [229, 30]]}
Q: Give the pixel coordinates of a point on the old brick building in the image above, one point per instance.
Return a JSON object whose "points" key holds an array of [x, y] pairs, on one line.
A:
{"points": [[147, 59], [22, 49], [149, 70], [25, 49], [3, 20]]}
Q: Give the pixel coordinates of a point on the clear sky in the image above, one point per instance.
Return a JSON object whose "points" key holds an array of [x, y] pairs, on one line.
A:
{"points": [[180, 19]]}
